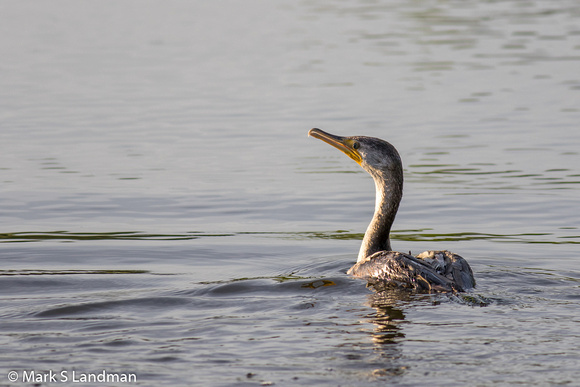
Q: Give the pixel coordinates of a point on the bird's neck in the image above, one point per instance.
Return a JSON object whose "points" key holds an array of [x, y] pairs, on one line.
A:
{"points": [[389, 194]]}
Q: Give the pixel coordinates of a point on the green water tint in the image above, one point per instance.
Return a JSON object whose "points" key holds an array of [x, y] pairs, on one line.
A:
{"points": [[36, 236], [418, 235], [68, 272]]}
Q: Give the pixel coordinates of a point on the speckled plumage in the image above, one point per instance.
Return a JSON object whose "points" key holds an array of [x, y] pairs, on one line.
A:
{"points": [[440, 271]]}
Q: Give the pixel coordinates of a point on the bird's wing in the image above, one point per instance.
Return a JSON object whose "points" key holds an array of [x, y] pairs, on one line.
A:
{"points": [[403, 270], [450, 265]]}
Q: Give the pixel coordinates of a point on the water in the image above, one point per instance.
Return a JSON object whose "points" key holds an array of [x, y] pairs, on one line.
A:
{"points": [[164, 214]]}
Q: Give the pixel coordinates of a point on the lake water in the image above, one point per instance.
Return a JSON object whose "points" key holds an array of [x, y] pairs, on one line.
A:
{"points": [[164, 214]]}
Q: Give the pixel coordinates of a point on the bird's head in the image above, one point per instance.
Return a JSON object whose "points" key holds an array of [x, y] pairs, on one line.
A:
{"points": [[376, 156]]}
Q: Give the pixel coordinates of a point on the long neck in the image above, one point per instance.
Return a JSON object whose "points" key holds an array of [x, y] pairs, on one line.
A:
{"points": [[389, 194]]}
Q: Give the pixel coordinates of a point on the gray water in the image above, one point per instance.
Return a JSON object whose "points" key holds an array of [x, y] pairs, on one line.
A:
{"points": [[163, 213]]}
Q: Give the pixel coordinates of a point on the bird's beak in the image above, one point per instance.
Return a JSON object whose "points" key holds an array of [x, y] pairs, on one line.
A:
{"points": [[343, 144]]}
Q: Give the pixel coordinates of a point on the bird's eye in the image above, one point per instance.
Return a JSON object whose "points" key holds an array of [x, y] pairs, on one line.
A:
{"points": [[355, 145]]}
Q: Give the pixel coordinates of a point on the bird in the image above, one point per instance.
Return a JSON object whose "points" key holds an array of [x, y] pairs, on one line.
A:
{"points": [[429, 272]]}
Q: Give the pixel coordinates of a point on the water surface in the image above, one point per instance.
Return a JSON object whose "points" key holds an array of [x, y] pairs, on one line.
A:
{"points": [[164, 214]]}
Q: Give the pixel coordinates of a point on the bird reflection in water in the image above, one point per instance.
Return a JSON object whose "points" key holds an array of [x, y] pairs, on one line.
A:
{"points": [[388, 316], [388, 334]]}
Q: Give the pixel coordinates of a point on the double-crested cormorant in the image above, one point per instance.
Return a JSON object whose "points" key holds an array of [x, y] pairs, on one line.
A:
{"points": [[428, 271]]}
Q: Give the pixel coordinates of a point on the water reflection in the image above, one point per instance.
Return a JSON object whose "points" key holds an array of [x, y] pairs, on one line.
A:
{"points": [[387, 335], [388, 316], [389, 320]]}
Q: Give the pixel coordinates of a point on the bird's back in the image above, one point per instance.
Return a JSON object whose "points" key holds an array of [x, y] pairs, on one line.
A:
{"points": [[429, 271]]}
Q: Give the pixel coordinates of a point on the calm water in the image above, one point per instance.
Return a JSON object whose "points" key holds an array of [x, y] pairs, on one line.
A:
{"points": [[164, 214]]}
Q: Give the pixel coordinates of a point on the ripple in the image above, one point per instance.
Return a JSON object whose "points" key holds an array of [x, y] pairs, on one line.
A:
{"points": [[35, 236], [272, 285], [137, 305], [402, 235], [68, 272]]}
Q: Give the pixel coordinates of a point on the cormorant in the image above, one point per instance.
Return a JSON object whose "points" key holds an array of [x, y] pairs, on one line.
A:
{"points": [[429, 271]]}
